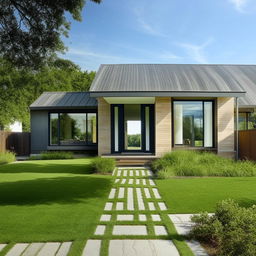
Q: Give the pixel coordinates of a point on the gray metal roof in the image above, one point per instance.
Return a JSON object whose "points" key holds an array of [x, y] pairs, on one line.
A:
{"points": [[59, 100], [178, 78]]}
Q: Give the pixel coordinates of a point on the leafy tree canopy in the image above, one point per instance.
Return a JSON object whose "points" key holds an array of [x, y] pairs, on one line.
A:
{"points": [[31, 31], [19, 88]]}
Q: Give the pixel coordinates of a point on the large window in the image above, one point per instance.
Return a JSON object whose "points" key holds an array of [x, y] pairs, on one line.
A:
{"points": [[247, 120], [73, 128], [193, 123]]}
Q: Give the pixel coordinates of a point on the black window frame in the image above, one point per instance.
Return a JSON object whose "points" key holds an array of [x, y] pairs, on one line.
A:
{"points": [[72, 112], [213, 123]]}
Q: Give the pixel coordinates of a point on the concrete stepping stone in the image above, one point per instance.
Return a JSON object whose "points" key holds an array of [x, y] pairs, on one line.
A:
{"points": [[105, 217], [117, 180], [118, 173], [137, 173], [151, 182], [100, 230], [149, 173], [156, 193], [64, 249], [143, 173], [33, 249], [131, 230], [49, 249], [119, 206], [121, 193], [131, 173], [162, 206], [130, 181], [112, 193], [125, 173], [147, 193], [125, 217], [123, 181], [113, 173], [144, 182], [151, 206], [182, 222], [140, 200], [2, 246], [141, 247], [92, 248], [137, 182], [108, 206], [142, 217], [196, 248], [17, 249], [130, 201], [160, 231], [155, 217]]}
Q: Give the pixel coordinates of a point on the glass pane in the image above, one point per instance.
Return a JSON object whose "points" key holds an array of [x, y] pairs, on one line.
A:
{"points": [[92, 127], [252, 120], [116, 129], [188, 123], [208, 124], [132, 126], [72, 128], [147, 128], [53, 128], [242, 121]]}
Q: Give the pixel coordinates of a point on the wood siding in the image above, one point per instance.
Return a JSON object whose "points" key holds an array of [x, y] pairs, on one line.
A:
{"points": [[104, 127], [247, 149], [225, 127], [163, 128]]}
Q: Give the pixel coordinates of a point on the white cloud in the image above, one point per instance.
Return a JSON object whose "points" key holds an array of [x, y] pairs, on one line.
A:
{"points": [[196, 52], [239, 4]]}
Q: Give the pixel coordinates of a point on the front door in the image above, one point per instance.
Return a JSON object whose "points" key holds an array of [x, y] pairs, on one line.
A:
{"points": [[132, 128]]}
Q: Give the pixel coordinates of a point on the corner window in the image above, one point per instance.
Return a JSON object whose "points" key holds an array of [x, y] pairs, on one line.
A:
{"points": [[69, 129], [193, 123]]}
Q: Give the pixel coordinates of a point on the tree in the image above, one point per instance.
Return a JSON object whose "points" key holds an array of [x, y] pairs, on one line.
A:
{"points": [[31, 31]]}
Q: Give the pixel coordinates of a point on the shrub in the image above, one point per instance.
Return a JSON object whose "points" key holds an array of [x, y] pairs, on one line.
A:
{"points": [[103, 165], [7, 157], [232, 230], [196, 163], [48, 155]]}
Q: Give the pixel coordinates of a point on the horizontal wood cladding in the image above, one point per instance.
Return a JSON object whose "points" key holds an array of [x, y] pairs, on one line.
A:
{"points": [[104, 127], [163, 125], [225, 127]]}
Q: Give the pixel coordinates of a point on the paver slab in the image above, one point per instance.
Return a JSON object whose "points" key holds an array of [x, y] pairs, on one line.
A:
{"points": [[130, 230], [49, 249], [123, 181], [125, 173], [140, 200], [162, 206], [147, 193], [130, 201], [155, 217], [160, 230], [142, 248], [196, 248], [112, 193], [137, 173], [182, 222], [156, 193], [100, 230], [143, 173], [130, 181], [118, 173], [151, 206], [117, 180], [131, 173], [137, 182], [64, 249], [151, 182], [105, 217], [17, 249], [125, 217], [119, 206], [33, 249], [108, 206], [142, 217], [121, 193], [92, 248], [2, 246]]}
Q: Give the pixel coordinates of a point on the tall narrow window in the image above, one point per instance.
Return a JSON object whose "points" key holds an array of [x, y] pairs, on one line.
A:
{"points": [[147, 128], [193, 123], [116, 122], [91, 128], [54, 128]]}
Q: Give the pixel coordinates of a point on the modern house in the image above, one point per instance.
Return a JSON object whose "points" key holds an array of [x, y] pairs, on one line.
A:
{"points": [[141, 111]]}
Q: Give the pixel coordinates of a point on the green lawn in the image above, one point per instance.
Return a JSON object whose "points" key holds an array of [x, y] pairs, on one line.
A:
{"points": [[51, 200], [192, 195]]}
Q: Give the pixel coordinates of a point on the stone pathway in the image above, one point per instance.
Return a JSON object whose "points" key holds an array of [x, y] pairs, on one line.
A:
{"points": [[131, 218]]}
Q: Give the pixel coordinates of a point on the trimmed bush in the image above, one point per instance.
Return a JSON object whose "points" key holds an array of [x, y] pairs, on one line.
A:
{"points": [[103, 165], [49, 155], [7, 157], [196, 163], [231, 231]]}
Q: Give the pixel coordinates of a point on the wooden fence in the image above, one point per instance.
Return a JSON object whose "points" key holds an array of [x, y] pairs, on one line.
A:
{"points": [[18, 142], [247, 144]]}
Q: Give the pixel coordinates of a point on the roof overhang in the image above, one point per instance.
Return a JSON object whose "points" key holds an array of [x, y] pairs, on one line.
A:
{"points": [[130, 100], [166, 94], [61, 107]]}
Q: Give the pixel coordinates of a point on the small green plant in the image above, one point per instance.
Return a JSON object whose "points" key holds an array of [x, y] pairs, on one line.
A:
{"points": [[231, 231], [103, 165], [48, 155], [7, 157], [196, 163]]}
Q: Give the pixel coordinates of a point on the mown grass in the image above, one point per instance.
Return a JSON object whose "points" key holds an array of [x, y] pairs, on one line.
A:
{"points": [[7, 157], [51, 201], [194, 163]]}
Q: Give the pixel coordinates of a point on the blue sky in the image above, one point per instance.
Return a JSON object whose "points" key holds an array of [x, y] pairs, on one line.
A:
{"points": [[164, 31]]}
